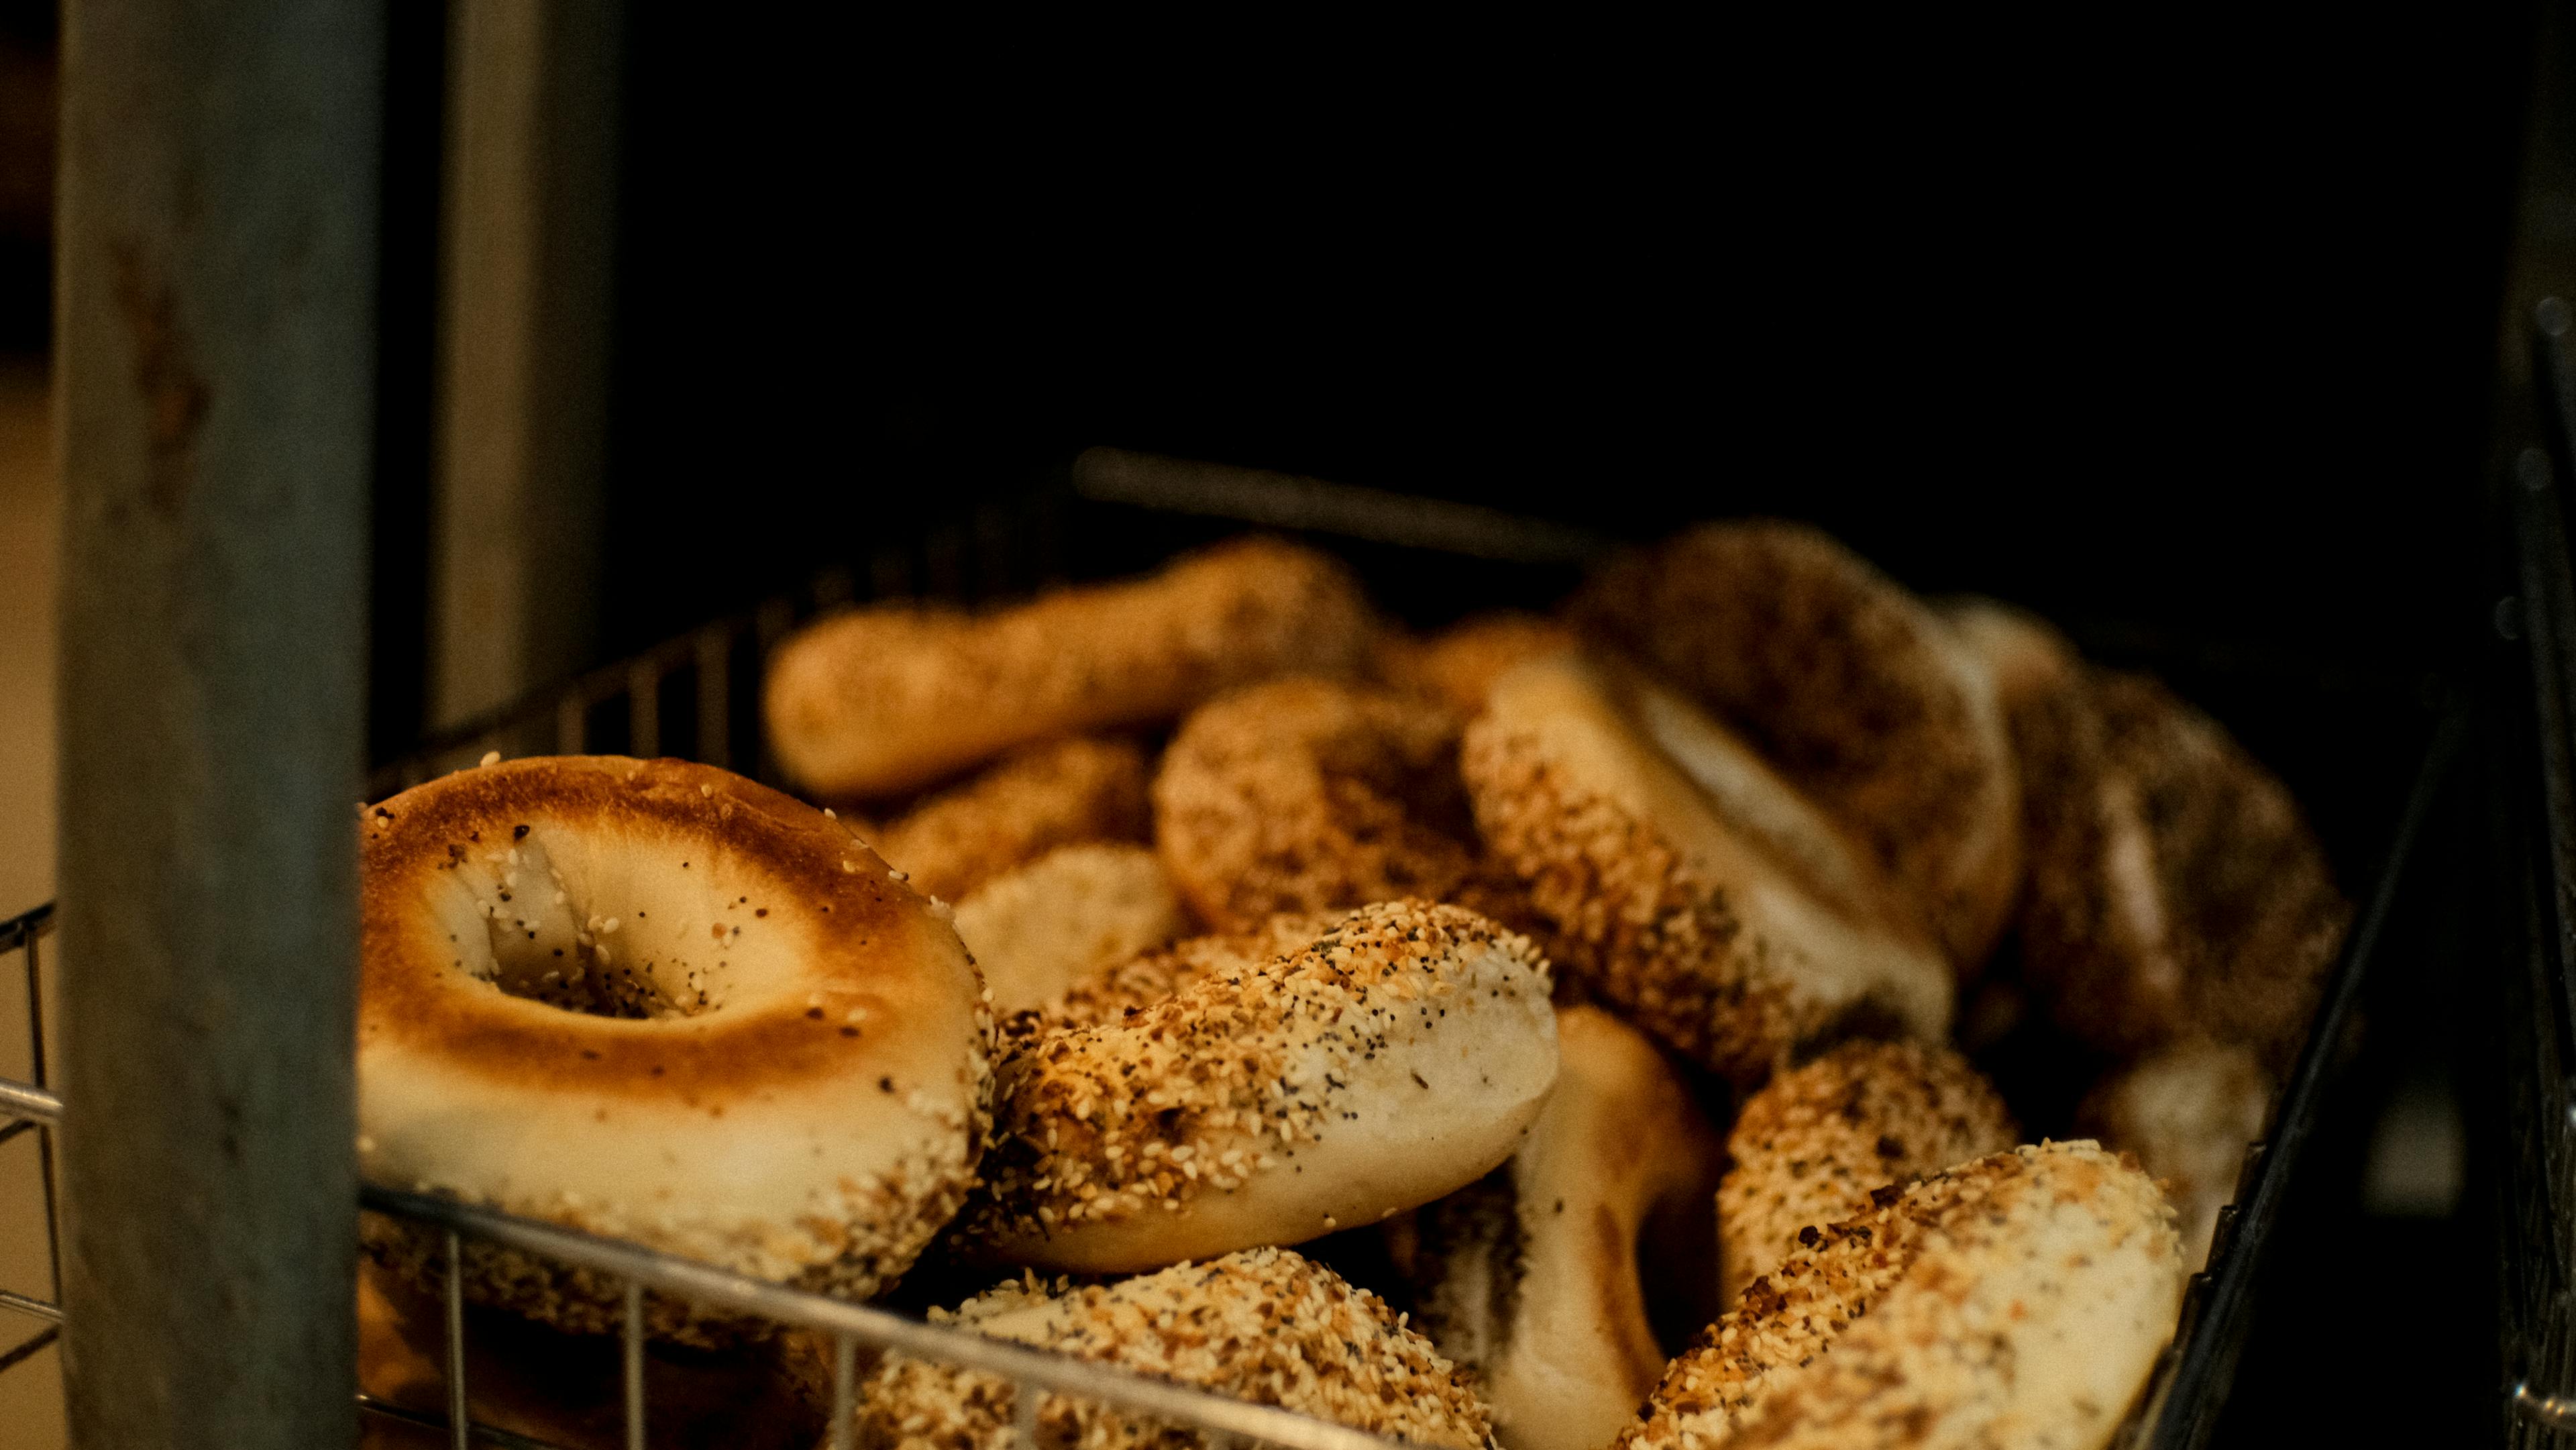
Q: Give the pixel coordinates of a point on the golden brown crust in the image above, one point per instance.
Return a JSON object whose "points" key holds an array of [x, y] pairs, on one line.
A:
{"points": [[1390, 1060], [1810, 1147], [668, 983], [1459, 665], [1736, 931], [893, 698], [1264, 1326], [2018, 1299], [1538, 1279], [1062, 918], [2175, 889], [1060, 793], [1855, 689]]}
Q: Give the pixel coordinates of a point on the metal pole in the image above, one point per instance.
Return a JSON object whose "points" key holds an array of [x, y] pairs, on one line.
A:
{"points": [[217, 351]]}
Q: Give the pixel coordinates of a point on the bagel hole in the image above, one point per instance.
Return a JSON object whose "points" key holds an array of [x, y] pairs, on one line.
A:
{"points": [[562, 935]]}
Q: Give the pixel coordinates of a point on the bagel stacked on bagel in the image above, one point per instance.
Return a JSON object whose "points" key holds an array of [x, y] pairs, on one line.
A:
{"points": [[2020, 1299], [1396, 1057], [1697, 892], [1538, 1279], [656, 1001]]}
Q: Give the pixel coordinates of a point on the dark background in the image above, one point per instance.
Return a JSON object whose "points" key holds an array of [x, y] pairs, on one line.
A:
{"points": [[2180, 325]]}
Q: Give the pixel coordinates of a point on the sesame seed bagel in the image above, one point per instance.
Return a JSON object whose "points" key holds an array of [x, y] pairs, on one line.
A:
{"points": [[1039, 928], [1264, 1326], [2020, 1300], [2175, 890], [1810, 1147], [893, 698], [2188, 1112], [1459, 665], [1304, 794], [656, 1001], [1395, 1058], [1694, 889], [1859, 693], [1060, 793], [1531, 1278]]}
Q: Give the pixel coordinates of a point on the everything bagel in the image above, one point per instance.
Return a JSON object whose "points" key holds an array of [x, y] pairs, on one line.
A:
{"points": [[656, 1001]]}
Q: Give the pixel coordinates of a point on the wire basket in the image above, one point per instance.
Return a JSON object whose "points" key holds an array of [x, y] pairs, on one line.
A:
{"points": [[697, 696]]}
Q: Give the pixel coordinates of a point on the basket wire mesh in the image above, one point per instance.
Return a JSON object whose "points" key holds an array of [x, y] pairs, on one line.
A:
{"points": [[697, 696]]}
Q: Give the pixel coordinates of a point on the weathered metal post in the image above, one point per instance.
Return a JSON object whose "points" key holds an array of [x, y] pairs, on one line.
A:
{"points": [[216, 354]]}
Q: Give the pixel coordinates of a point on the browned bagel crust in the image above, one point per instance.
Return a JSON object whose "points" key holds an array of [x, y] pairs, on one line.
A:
{"points": [[1851, 686], [1811, 1146], [1302, 795], [1264, 1325], [1060, 793], [437, 1046], [1459, 664], [893, 698], [2176, 890]]}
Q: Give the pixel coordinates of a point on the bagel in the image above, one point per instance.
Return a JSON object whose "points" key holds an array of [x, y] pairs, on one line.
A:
{"points": [[1060, 793], [658, 1002], [2021, 1299], [1397, 1057], [1303, 794], [893, 698], [1460, 664], [1691, 887], [2175, 891], [1811, 1146], [1114, 992], [2188, 1112], [1857, 691], [1531, 1278], [1264, 1325], [1038, 929]]}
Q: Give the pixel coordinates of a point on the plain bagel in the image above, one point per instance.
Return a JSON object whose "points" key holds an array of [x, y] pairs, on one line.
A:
{"points": [[1394, 1058], [657, 1001], [1538, 1278], [895, 697], [1694, 889]]}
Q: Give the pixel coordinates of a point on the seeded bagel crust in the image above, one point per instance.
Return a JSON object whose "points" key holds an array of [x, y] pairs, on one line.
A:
{"points": [[893, 698], [1859, 692], [2020, 1299], [659, 1002], [1397, 1057], [1304, 794], [1263, 1325], [2175, 891], [1691, 888], [1810, 1147], [1060, 793]]}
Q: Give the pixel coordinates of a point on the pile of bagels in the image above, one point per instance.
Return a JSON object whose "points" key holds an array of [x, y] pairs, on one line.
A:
{"points": [[1558, 1031]]}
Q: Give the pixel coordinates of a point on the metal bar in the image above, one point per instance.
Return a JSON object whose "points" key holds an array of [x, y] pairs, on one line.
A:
{"points": [[1286, 501], [11, 1132], [30, 1346], [715, 696], [24, 925], [44, 1135], [702, 1283], [216, 363], [644, 708], [488, 1434], [845, 1390], [2203, 1371], [51, 1313], [634, 1347], [457, 1414], [2553, 1412], [28, 1101]]}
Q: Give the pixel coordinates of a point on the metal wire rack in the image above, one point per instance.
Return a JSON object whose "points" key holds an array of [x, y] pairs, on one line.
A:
{"points": [[697, 696]]}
